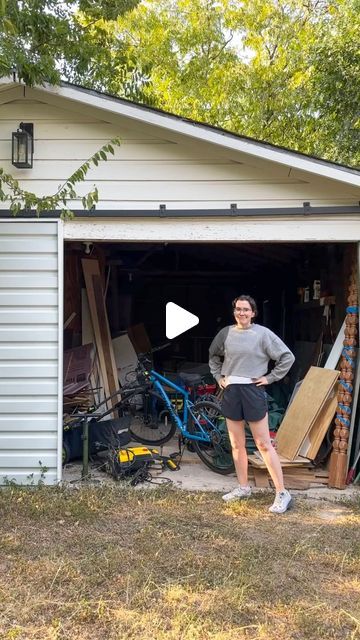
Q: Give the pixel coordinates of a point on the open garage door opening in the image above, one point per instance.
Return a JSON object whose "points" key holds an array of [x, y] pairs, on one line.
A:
{"points": [[301, 290]]}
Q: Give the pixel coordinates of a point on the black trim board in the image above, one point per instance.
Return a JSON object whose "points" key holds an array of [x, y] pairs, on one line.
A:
{"points": [[305, 211]]}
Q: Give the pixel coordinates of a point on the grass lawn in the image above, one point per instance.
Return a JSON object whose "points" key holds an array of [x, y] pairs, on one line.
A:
{"points": [[112, 563]]}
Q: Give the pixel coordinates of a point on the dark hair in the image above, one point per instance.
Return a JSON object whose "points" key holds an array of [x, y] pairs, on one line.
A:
{"points": [[248, 299]]}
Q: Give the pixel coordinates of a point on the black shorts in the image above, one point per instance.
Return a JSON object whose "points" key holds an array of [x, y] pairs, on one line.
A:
{"points": [[244, 402]]}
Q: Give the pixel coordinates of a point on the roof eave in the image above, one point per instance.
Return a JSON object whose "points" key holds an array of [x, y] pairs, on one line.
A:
{"points": [[198, 131]]}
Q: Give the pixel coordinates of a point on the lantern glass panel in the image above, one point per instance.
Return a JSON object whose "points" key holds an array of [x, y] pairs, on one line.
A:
{"points": [[21, 149]]}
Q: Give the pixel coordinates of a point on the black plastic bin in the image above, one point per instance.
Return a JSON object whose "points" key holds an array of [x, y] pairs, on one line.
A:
{"points": [[103, 435]]}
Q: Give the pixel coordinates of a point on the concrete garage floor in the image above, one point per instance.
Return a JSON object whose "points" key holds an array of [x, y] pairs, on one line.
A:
{"points": [[193, 475]]}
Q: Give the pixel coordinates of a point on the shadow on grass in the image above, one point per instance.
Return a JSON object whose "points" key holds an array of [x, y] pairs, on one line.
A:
{"points": [[119, 563]]}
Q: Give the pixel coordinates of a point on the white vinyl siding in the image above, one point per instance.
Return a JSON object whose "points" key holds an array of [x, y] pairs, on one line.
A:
{"points": [[29, 351], [152, 166]]}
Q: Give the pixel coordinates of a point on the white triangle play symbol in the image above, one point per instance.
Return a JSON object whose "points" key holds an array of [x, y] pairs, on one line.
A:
{"points": [[178, 320]]}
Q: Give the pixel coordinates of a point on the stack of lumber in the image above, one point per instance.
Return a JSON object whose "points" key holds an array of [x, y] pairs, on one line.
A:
{"points": [[298, 473], [302, 432]]}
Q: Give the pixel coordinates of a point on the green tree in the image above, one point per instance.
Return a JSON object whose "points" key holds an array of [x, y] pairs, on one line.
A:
{"points": [[283, 71], [335, 84], [44, 40]]}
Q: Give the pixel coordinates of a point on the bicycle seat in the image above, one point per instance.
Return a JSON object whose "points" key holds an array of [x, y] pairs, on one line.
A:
{"points": [[190, 378]]}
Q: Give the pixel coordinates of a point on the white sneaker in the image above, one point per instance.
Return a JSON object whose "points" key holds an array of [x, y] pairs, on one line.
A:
{"points": [[237, 494], [282, 502]]}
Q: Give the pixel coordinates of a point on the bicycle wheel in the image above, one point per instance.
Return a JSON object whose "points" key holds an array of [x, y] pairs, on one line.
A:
{"points": [[150, 424], [216, 454]]}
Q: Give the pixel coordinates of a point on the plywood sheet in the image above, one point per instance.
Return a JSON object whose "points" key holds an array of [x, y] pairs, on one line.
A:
{"points": [[303, 411], [317, 433]]}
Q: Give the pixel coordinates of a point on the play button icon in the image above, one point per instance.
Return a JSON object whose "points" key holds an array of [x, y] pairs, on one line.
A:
{"points": [[178, 320]]}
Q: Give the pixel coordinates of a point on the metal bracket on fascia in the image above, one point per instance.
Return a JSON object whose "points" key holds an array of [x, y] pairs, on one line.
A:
{"points": [[233, 209], [307, 208], [162, 209]]}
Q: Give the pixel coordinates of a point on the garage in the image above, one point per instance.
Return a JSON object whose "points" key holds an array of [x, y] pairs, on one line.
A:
{"points": [[204, 278], [301, 290], [186, 213]]}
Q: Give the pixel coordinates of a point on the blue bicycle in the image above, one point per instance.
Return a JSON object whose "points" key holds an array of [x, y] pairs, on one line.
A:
{"points": [[155, 416]]}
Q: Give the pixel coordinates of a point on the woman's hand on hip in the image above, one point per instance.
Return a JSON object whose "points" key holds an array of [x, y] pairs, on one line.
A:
{"points": [[261, 382]]}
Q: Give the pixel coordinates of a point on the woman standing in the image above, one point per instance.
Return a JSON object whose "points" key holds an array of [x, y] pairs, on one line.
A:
{"points": [[239, 359]]}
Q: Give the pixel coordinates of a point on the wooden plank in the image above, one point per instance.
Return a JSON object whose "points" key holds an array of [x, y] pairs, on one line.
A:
{"points": [[292, 480], [321, 473], [91, 267], [69, 319], [101, 328], [111, 370], [262, 478], [304, 409], [87, 333], [256, 461], [139, 338], [317, 433]]}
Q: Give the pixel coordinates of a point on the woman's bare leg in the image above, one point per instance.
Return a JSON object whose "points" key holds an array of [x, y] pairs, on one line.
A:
{"points": [[261, 435], [236, 429]]}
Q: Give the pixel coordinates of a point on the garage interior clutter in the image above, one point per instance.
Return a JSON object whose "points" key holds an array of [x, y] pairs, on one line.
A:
{"points": [[114, 300]]}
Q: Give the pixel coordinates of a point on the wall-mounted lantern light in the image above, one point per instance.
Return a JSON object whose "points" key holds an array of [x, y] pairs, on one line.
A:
{"points": [[23, 146]]}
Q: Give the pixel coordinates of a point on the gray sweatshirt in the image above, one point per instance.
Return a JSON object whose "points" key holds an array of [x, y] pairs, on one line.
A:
{"points": [[246, 352]]}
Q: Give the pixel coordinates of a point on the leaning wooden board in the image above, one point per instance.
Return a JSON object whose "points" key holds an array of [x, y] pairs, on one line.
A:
{"points": [[304, 410], [312, 442], [101, 329]]}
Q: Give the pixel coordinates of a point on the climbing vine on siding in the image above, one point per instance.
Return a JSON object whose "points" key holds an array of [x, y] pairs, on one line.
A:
{"points": [[21, 200]]}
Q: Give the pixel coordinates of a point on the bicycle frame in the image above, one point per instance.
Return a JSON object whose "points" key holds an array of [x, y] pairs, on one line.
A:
{"points": [[157, 381]]}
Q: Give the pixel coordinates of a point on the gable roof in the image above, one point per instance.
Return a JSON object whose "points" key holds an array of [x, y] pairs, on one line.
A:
{"points": [[197, 130]]}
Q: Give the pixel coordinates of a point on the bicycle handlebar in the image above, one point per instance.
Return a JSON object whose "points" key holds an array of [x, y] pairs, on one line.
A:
{"points": [[144, 359]]}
